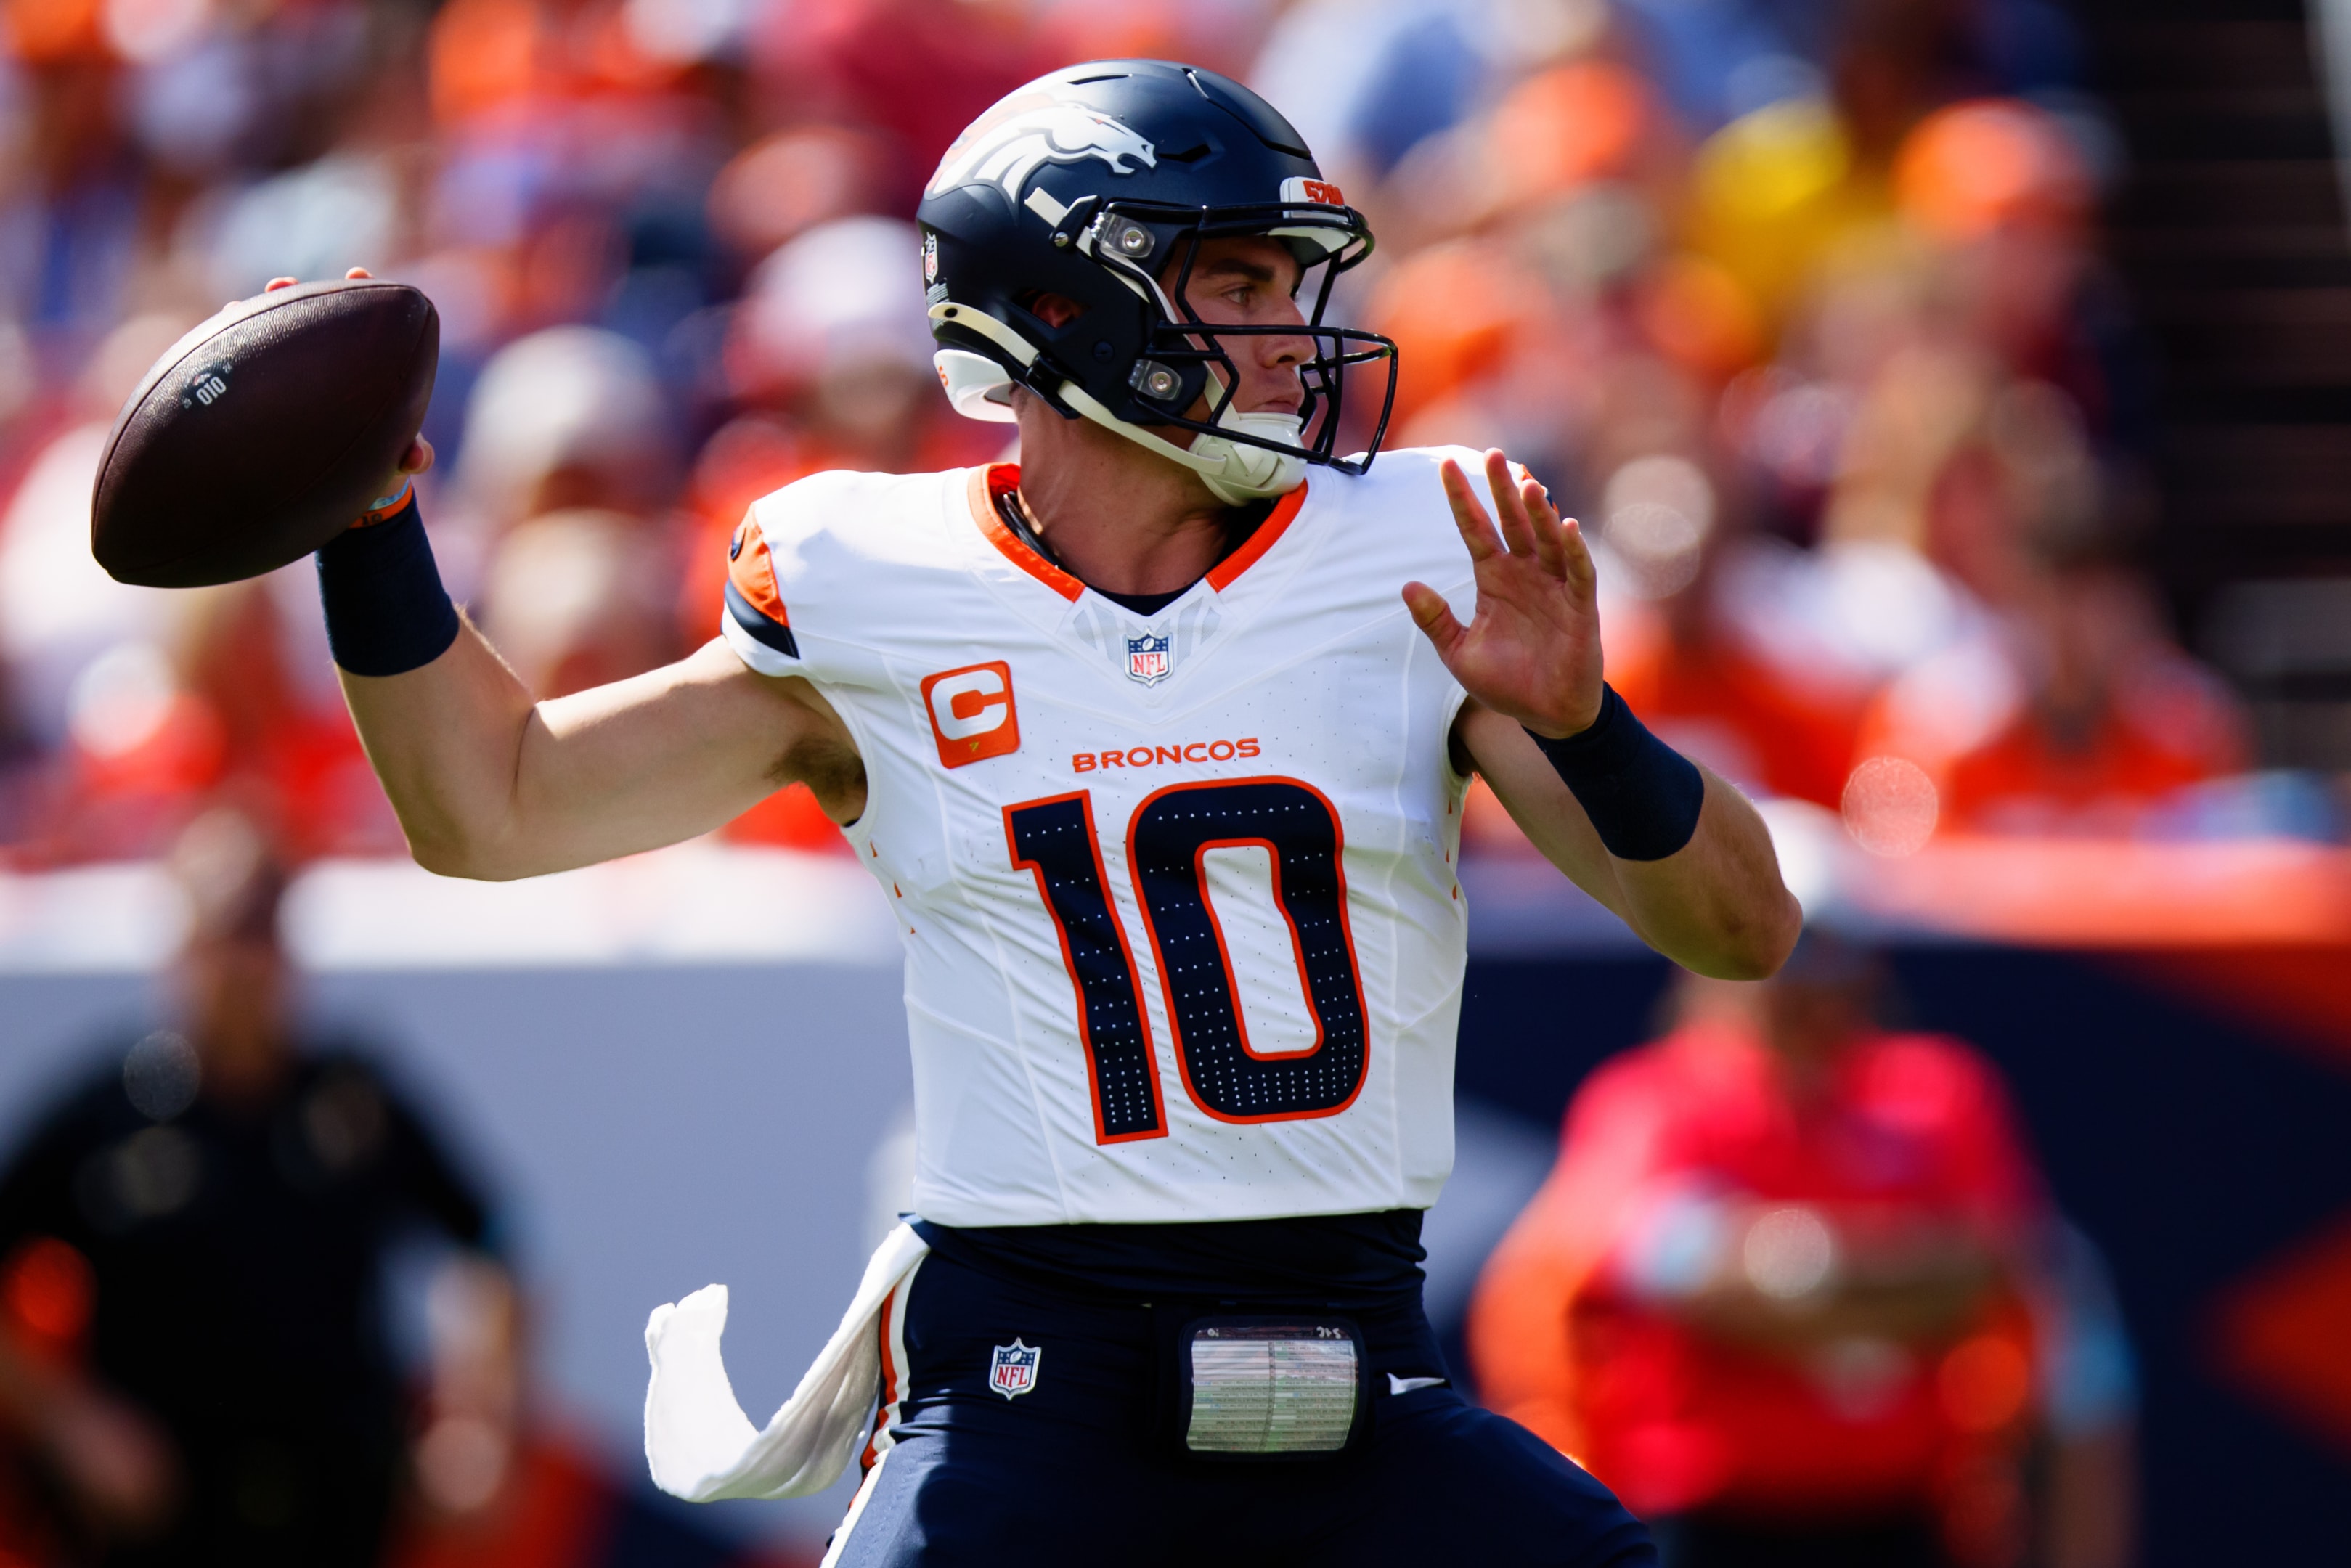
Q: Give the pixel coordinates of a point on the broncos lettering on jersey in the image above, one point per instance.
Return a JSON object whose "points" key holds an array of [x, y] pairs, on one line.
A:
{"points": [[1183, 937]]}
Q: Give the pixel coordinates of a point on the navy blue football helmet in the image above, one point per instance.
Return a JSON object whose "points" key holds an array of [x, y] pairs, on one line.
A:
{"points": [[1089, 184]]}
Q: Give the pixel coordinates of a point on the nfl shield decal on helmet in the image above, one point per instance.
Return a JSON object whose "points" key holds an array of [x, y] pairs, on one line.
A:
{"points": [[1148, 659], [1012, 1370]]}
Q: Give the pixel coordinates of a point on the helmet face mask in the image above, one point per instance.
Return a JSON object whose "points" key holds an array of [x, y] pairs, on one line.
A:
{"points": [[1102, 184], [1184, 357]]}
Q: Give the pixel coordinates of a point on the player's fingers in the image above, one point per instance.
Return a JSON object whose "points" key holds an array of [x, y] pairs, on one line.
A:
{"points": [[1432, 615], [1575, 551], [359, 272], [1468, 515], [1509, 510], [1543, 519], [275, 284]]}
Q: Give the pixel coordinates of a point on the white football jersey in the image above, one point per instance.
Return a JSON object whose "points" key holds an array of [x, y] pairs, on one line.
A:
{"points": [[1183, 937]]}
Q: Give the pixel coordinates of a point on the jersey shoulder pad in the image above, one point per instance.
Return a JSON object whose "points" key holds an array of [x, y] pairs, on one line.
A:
{"points": [[1397, 511], [1413, 467], [810, 551]]}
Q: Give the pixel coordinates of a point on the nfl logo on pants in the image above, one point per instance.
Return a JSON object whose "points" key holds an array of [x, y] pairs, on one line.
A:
{"points": [[1147, 659], [1012, 1371]]}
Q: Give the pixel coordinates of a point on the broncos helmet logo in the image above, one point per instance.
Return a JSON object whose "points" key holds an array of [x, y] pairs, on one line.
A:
{"points": [[1005, 152]]}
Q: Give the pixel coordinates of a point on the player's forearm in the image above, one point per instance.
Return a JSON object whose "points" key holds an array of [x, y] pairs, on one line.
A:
{"points": [[1717, 906]]}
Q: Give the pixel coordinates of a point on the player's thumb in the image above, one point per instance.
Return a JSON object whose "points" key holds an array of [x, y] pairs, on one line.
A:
{"points": [[1432, 615]]}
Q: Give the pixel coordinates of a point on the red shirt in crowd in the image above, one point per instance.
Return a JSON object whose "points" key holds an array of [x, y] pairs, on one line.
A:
{"points": [[1909, 1137]]}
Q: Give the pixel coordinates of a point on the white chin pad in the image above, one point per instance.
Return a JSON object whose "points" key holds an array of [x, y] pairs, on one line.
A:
{"points": [[1237, 472], [976, 386]]}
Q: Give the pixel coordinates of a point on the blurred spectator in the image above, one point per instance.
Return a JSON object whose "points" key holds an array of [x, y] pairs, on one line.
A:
{"points": [[553, 1502], [1694, 659], [790, 182], [1784, 1293], [2092, 725], [911, 72], [568, 467], [195, 1359], [832, 327], [579, 597], [572, 416], [494, 1483]]}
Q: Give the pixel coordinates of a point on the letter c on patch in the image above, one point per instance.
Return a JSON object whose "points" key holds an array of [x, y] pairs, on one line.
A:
{"points": [[971, 712]]}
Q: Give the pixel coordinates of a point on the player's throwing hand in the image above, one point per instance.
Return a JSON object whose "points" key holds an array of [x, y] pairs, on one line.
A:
{"points": [[1531, 652]]}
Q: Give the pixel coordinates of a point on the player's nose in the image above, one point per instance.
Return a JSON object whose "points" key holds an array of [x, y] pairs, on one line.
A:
{"points": [[1281, 350]]}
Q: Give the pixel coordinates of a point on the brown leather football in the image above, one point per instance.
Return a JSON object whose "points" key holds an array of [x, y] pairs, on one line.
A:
{"points": [[264, 432]]}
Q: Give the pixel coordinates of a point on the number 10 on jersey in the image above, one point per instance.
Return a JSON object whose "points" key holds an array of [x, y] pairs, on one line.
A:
{"points": [[1167, 842]]}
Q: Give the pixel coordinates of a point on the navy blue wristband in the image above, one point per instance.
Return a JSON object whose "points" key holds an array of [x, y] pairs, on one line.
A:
{"points": [[1642, 795], [387, 612]]}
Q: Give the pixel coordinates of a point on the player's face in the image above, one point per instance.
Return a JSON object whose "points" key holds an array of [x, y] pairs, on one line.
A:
{"points": [[1250, 281]]}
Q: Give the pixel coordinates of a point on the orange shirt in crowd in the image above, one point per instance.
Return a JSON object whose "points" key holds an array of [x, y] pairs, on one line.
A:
{"points": [[1730, 711], [1911, 1132], [2160, 736]]}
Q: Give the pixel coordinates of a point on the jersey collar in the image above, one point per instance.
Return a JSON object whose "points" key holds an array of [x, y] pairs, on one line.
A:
{"points": [[997, 479]]}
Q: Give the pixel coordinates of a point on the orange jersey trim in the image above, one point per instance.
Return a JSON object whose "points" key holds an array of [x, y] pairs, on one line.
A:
{"points": [[1269, 533], [1001, 478], [753, 574]]}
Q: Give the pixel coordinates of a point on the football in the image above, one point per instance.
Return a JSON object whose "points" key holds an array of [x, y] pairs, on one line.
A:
{"points": [[264, 432]]}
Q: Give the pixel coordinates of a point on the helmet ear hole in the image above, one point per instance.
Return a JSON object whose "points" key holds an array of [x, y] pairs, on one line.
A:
{"points": [[1056, 310]]}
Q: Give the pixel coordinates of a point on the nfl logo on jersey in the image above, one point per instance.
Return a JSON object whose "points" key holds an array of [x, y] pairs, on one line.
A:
{"points": [[1147, 659], [1012, 1371]]}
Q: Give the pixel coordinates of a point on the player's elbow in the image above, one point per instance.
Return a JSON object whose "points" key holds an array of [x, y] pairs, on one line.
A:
{"points": [[471, 857], [445, 857], [1750, 944]]}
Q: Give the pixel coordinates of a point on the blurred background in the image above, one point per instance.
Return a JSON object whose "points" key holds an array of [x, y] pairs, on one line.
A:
{"points": [[1957, 392]]}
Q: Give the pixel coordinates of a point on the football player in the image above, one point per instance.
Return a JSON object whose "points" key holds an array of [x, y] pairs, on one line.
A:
{"points": [[1156, 742]]}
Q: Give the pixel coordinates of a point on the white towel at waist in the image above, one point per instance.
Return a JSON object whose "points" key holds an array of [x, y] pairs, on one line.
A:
{"points": [[702, 1447]]}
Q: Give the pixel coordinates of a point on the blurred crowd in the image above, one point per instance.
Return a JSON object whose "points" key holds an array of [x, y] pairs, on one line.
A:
{"points": [[1799, 304]]}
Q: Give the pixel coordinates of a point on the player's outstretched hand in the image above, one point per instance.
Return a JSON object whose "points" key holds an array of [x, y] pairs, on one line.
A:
{"points": [[1532, 650]]}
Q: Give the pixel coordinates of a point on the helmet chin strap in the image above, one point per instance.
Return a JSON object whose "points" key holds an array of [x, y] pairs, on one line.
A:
{"points": [[1235, 472]]}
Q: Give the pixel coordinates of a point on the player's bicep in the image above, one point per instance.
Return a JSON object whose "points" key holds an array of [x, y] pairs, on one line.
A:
{"points": [[672, 753], [1530, 790]]}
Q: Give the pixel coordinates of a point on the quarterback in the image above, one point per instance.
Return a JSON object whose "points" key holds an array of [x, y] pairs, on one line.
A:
{"points": [[1157, 743]]}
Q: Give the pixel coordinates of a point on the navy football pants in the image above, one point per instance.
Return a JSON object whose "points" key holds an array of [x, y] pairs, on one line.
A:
{"points": [[1075, 1470]]}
